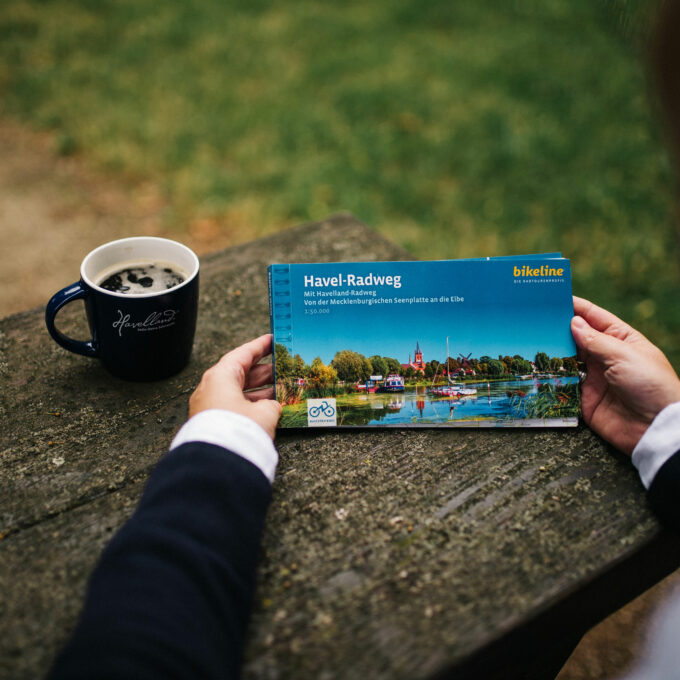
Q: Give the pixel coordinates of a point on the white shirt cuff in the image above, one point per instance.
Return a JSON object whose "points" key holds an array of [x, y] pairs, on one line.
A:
{"points": [[658, 443], [232, 431]]}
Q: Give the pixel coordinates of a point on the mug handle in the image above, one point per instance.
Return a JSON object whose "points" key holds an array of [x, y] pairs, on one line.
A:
{"points": [[73, 292]]}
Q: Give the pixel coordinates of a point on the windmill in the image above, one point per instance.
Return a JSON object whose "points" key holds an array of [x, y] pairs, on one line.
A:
{"points": [[465, 360]]}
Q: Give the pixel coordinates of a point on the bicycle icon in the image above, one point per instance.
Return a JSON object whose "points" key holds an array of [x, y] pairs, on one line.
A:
{"points": [[324, 407]]}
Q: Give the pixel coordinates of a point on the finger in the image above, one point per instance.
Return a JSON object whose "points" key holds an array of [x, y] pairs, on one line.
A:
{"points": [[602, 320], [592, 390], [244, 357], [262, 393], [601, 346], [261, 374], [251, 352]]}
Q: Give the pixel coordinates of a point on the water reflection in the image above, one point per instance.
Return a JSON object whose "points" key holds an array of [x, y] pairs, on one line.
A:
{"points": [[495, 401]]}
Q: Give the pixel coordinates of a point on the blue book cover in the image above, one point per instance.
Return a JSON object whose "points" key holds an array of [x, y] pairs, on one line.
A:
{"points": [[453, 343]]}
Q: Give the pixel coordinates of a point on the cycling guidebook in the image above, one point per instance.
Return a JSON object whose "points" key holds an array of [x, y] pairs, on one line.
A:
{"points": [[453, 343]]}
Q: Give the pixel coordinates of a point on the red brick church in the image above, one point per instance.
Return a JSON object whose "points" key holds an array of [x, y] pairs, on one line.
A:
{"points": [[417, 364]]}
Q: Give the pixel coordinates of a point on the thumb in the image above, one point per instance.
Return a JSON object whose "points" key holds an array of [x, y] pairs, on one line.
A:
{"points": [[593, 343], [275, 406], [268, 414]]}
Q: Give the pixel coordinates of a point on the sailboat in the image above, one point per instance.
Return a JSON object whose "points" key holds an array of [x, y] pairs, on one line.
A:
{"points": [[453, 389]]}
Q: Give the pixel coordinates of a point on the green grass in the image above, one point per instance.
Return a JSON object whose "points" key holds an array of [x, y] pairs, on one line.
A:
{"points": [[456, 129], [550, 402]]}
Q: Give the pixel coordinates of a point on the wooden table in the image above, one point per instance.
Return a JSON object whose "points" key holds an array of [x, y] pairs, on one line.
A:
{"points": [[487, 553]]}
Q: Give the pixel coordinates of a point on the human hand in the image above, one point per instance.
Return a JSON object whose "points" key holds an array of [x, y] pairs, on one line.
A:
{"points": [[222, 386], [629, 379]]}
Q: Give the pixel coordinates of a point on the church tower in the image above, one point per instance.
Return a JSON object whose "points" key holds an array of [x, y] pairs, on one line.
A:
{"points": [[418, 359]]}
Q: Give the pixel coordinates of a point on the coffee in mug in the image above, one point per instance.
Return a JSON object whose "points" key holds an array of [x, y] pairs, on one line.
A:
{"points": [[136, 278], [141, 299]]}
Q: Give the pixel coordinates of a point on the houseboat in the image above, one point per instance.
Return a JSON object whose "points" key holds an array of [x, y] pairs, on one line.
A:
{"points": [[393, 383]]}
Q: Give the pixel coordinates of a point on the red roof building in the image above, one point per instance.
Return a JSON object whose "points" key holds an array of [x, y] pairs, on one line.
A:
{"points": [[417, 364]]}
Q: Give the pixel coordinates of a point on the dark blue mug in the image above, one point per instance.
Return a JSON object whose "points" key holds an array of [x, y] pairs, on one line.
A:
{"points": [[142, 336]]}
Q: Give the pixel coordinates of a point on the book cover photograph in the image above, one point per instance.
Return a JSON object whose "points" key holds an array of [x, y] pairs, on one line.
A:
{"points": [[450, 343]]}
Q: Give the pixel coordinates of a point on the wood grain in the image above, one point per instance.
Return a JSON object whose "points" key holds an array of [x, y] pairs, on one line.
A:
{"points": [[387, 554]]}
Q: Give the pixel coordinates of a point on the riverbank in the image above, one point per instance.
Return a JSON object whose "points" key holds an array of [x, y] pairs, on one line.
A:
{"points": [[509, 403]]}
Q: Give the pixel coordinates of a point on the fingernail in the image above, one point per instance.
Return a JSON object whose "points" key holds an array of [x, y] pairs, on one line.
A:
{"points": [[579, 323]]}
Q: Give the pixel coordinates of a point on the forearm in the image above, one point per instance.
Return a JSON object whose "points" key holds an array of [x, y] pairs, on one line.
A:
{"points": [[171, 595]]}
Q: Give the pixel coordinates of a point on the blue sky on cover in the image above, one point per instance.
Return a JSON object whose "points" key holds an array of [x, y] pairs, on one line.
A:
{"points": [[497, 317]]}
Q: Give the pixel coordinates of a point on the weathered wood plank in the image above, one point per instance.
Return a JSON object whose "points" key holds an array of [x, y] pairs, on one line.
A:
{"points": [[109, 431], [397, 554], [475, 553], [43, 574], [495, 528]]}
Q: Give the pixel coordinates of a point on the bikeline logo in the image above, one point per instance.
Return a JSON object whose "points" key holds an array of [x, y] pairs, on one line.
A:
{"points": [[155, 321], [543, 270], [321, 412]]}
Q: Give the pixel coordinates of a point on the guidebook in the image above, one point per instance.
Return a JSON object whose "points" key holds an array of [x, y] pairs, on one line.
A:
{"points": [[480, 342]]}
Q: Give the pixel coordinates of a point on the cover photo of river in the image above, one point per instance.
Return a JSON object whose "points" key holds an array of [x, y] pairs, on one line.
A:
{"points": [[496, 404]]}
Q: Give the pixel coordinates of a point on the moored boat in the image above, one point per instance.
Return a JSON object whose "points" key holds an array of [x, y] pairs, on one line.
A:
{"points": [[371, 385], [393, 383], [454, 390]]}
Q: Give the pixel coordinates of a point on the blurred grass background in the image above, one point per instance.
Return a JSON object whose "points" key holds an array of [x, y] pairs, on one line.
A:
{"points": [[457, 129]]}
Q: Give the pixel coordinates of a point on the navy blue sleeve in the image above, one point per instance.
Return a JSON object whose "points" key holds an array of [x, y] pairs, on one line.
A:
{"points": [[171, 595], [664, 493]]}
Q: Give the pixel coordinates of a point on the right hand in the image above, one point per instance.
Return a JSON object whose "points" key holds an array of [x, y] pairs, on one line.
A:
{"points": [[629, 379], [222, 386]]}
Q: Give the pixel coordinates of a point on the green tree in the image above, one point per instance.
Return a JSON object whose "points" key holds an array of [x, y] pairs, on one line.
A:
{"points": [[410, 373], [393, 366], [495, 367], [507, 362], [452, 364], [298, 366], [555, 364], [321, 374], [316, 367], [351, 366], [520, 366], [570, 364], [542, 362], [379, 365], [366, 368], [432, 368], [284, 362]]}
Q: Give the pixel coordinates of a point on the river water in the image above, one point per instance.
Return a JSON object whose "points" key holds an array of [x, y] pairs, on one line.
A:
{"points": [[496, 400]]}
